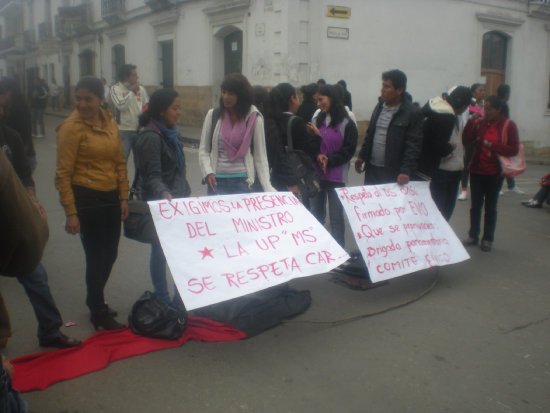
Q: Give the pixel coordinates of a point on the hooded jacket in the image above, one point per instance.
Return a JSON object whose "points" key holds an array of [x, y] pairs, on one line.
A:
{"points": [[439, 121]]}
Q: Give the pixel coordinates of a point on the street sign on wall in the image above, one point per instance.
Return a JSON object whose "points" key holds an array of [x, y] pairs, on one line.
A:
{"points": [[338, 33], [339, 12]]}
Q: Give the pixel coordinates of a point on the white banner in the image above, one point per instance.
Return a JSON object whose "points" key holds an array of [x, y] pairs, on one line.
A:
{"points": [[399, 229], [222, 247]]}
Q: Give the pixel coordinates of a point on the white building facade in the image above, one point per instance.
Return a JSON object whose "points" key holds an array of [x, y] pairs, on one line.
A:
{"points": [[191, 44]]}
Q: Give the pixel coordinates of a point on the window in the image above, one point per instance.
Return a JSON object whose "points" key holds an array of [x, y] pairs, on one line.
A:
{"points": [[118, 59], [494, 51]]}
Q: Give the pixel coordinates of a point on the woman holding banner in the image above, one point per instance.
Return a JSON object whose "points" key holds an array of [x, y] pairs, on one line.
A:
{"points": [[232, 152], [491, 135], [339, 140], [93, 186], [161, 167]]}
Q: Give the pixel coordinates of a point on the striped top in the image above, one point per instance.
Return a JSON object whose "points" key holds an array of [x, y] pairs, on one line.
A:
{"points": [[378, 154], [225, 166]]}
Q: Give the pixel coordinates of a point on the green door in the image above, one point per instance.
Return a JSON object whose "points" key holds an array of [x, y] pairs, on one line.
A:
{"points": [[233, 52]]}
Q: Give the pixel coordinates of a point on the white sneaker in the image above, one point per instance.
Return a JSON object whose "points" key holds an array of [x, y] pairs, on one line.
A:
{"points": [[516, 190], [463, 196], [39, 136], [501, 192]]}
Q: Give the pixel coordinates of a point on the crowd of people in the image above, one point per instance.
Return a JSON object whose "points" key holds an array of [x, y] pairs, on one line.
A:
{"points": [[243, 147]]}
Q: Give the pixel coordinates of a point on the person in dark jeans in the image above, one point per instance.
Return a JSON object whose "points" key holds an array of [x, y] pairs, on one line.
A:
{"points": [[486, 135], [34, 282], [339, 140], [92, 181]]}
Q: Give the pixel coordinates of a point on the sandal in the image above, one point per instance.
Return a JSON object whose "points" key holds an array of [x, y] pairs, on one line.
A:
{"points": [[485, 246]]}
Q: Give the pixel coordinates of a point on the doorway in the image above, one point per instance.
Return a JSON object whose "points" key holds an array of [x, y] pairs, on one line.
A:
{"points": [[233, 52], [167, 63], [494, 54]]}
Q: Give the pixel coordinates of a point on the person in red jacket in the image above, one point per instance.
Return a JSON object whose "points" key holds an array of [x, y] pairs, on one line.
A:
{"points": [[486, 134]]}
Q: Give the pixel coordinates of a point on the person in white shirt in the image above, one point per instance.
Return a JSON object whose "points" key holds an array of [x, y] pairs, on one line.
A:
{"points": [[129, 99]]}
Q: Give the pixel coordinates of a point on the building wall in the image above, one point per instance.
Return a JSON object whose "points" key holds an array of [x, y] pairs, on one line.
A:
{"points": [[436, 42]]}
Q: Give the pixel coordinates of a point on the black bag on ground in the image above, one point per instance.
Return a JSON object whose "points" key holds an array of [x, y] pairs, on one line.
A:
{"points": [[153, 317], [254, 313], [298, 165]]}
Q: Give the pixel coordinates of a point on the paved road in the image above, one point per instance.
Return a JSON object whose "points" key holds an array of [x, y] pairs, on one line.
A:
{"points": [[477, 343]]}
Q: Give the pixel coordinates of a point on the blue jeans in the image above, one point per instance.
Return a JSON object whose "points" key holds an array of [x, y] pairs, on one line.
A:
{"points": [[319, 209], [128, 138], [37, 118], [36, 286], [157, 266], [229, 186]]}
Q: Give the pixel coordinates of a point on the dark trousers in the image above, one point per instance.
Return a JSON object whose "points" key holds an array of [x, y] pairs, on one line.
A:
{"points": [[378, 175], [36, 286], [543, 194], [99, 215], [230, 186], [336, 211], [444, 188], [484, 189]]}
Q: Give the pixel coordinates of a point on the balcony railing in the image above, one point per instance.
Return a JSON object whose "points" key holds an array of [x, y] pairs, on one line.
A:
{"points": [[7, 43], [73, 20], [539, 8], [45, 30], [113, 10]]}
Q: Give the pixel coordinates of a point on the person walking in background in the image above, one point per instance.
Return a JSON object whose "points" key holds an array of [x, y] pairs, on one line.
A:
{"points": [[310, 93], [161, 166], [107, 92], [17, 116], [339, 141], [347, 95], [393, 141], [503, 92], [477, 106], [39, 97], [54, 95], [93, 185], [129, 99], [232, 150], [486, 135], [442, 149]]}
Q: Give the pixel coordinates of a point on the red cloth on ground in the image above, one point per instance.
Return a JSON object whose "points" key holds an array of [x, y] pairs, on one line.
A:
{"points": [[38, 371]]}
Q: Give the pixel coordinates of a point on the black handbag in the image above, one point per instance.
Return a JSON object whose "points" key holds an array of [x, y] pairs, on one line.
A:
{"points": [[153, 317], [139, 225], [298, 164]]}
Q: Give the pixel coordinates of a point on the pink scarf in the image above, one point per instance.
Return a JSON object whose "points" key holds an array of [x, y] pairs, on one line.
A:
{"points": [[237, 138]]}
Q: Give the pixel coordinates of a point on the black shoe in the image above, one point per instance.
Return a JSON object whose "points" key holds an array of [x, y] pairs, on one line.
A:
{"points": [[111, 312], [105, 321], [61, 341], [470, 242]]}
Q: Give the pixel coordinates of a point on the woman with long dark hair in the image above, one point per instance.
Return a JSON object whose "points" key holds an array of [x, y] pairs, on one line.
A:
{"points": [[339, 140], [232, 149], [284, 105], [161, 167], [490, 136], [93, 185]]}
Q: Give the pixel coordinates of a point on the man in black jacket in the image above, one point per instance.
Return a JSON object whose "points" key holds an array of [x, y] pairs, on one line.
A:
{"points": [[393, 142]]}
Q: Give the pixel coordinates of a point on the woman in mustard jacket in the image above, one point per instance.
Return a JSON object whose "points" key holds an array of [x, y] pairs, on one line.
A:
{"points": [[93, 185]]}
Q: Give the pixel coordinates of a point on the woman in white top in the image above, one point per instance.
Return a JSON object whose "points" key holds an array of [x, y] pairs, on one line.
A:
{"points": [[232, 153]]}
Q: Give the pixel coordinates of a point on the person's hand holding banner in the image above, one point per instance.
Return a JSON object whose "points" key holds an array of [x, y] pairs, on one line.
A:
{"points": [[222, 247]]}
